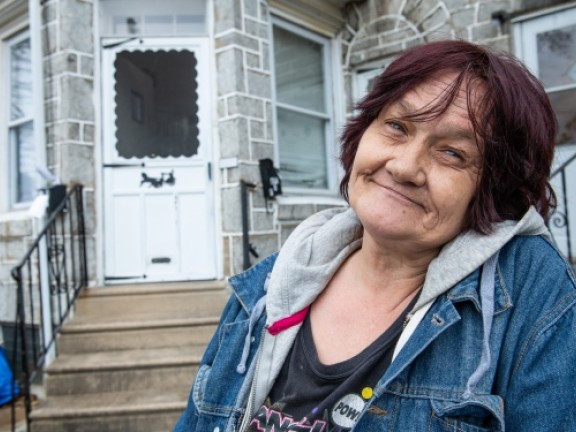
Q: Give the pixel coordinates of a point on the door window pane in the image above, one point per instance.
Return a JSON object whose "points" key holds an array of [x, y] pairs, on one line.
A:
{"points": [[156, 104], [302, 150]]}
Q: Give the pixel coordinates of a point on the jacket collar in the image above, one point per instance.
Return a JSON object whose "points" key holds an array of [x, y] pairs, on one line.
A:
{"points": [[467, 290], [250, 285]]}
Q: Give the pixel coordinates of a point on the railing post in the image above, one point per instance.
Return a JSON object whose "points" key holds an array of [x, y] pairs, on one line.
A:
{"points": [[247, 247], [21, 324], [45, 297]]}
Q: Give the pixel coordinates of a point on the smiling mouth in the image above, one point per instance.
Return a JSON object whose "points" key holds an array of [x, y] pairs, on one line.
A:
{"points": [[400, 195]]}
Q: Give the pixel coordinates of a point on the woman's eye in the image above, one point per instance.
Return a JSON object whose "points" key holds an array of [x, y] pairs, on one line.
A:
{"points": [[454, 153], [396, 126]]}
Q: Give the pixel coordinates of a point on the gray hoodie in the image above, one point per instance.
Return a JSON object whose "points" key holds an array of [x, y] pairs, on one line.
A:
{"points": [[319, 246]]}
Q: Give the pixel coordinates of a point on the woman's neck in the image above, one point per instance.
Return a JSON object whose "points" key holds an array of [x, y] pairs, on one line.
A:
{"points": [[377, 269]]}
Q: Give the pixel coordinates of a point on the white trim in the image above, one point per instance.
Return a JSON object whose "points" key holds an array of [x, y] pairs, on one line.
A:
{"points": [[339, 108], [37, 84], [310, 199], [98, 149], [541, 13]]}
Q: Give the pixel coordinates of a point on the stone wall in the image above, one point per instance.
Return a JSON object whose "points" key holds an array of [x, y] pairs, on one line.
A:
{"points": [[68, 66], [68, 63], [244, 90], [16, 236], [378, 30]]}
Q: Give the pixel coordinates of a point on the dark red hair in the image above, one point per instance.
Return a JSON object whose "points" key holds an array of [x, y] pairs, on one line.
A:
{"points": [[512, 117]]}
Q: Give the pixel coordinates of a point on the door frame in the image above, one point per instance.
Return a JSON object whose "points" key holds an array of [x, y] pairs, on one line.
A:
{"points": [[205, 71]]}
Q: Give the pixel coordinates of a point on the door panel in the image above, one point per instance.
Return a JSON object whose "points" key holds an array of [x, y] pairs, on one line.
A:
{"points": [[126, 234], [156, 154]]}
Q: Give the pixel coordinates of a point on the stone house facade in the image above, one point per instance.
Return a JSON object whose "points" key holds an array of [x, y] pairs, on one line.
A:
{"points": [[271, 79]]}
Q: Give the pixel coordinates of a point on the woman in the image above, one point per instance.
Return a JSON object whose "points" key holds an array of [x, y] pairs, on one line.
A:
{"points": [[436, 301]]}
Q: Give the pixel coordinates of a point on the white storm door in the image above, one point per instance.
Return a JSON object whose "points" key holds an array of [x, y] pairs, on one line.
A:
{"points": [[159, 212]]}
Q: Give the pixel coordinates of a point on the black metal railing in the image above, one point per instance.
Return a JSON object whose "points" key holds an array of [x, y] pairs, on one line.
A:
{"points": [[48, 281], [560, 220], [247, 247]]}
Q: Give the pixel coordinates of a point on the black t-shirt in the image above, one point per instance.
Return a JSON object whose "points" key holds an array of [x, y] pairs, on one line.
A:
{"points": [[311, 396]]}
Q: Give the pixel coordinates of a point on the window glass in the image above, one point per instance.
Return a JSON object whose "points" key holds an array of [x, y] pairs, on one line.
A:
{"points": [[303, 118], [21, 80], [299, 70], [302, 150], [557, 56], [156, 104], [158, 24], [165, 18], [22, 143], [21, 146]]}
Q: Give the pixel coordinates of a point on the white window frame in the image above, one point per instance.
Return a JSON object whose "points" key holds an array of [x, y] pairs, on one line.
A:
{"points": [[330, 118]]}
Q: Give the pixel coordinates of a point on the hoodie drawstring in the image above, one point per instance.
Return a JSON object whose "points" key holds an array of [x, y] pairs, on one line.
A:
{"points": [[257, 312], [487, 299]]}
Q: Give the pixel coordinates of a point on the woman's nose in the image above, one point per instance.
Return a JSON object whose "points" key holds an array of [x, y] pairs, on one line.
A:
{"points": [[407, 163]]}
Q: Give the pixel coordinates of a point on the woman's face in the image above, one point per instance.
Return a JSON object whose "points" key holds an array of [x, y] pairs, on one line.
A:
{"points": [[413, 181]]}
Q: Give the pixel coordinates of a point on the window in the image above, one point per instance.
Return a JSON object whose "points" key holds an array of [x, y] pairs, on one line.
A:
{"points": [[365, 77], [547, 44], [303, 103], [166, 18], [21, 147]]}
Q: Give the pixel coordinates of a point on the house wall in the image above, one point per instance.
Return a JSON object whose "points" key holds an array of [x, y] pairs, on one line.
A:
{"points": [[68, 67], [373, 31], [379, 30], [244, 94], [69, 92]]}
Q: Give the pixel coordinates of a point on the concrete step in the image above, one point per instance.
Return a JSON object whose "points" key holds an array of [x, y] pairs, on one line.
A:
{"points": [[117, 306], [77, 338], [119, 371], [127, 358], [141, 411]]}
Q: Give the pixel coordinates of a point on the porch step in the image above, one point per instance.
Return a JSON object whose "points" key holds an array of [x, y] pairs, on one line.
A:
{"points": [[125, 370], [111, 412], [80, 338], [128, 357]]}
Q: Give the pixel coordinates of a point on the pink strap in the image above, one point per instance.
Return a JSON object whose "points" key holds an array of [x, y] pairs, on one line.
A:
{"points": [[285, 323]]}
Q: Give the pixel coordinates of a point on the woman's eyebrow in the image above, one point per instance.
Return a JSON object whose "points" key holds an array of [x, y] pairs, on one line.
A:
{"points": [[405, 107], [458, 132]]}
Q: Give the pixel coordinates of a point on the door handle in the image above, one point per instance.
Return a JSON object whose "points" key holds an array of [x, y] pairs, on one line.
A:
{"points": [[158, 182]]}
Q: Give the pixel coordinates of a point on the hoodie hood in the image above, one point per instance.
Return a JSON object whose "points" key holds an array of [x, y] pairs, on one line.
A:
{"points": [[319, 245]]}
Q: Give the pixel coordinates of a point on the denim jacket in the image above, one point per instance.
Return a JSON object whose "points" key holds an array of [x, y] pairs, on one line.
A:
{"points": [[528, 382]]}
